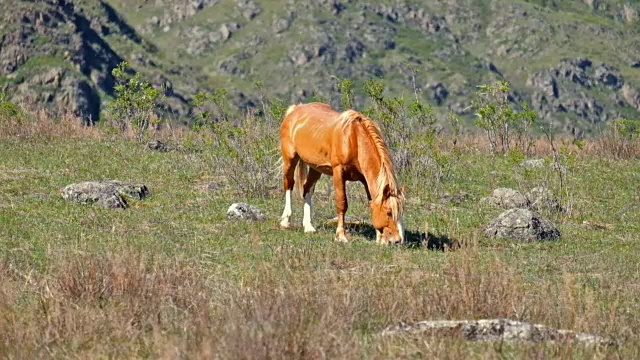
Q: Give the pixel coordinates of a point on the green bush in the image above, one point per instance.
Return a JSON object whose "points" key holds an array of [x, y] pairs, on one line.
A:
{"points": [[134, 102], [7, 108], [503, 125]]}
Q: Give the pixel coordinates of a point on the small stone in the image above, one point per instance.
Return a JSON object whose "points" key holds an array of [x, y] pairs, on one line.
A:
{"points": [[244, 211], [533, 163], [157, 145]]}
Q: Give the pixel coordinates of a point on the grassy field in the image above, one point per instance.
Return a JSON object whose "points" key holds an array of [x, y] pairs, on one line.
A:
{"points": [[172, 277]]}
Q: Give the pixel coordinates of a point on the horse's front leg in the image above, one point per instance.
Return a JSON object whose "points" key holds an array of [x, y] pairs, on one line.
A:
{"points": [[366, 189], [341, 202]]}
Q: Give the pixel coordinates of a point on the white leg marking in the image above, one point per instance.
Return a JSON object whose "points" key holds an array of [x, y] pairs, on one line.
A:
{"points": [[378, 235], [287, 210], [306, 220]]}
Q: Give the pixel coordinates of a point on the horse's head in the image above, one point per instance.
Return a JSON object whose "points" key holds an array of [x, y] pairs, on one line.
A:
{"points": [[386, 215]]}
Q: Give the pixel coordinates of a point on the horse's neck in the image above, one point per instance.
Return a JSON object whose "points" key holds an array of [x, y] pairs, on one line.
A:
{"points": [[370, 163]]}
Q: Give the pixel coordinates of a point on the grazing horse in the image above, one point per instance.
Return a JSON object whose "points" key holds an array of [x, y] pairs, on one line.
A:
{"points": [[315, 139]]}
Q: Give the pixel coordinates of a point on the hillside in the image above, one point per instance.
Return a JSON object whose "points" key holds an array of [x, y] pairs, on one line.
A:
{"points": [[576, 62]]}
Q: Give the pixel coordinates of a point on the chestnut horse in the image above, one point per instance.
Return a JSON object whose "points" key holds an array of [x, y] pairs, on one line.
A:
{"points": [[315, 139]]}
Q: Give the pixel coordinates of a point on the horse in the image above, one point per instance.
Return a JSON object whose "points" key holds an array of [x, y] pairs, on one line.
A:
{"points": [[315, 139]]}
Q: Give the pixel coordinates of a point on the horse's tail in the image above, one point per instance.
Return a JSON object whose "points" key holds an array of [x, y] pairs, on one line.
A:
{"points": [[302, 169]]}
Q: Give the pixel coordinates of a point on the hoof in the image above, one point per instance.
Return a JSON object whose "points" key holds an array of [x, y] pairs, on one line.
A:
{"points": [[284, 224], [309, 229]]}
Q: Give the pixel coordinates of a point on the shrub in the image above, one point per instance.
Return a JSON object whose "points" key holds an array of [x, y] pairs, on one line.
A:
{"points": [[134, 102], [622, 138], [504, 127]]}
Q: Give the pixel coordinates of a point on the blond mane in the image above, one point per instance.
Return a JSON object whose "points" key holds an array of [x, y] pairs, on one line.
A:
{"points": [[386, 174]]}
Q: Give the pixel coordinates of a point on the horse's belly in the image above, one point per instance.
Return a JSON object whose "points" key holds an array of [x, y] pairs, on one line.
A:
{"points": [[317, 158], [325, 169]]}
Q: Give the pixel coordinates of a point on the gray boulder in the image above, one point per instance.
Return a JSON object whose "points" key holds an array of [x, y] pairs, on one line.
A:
{"points": [[523, 225], [506, 198], [541, 198], [110, 194], [244, 211]]}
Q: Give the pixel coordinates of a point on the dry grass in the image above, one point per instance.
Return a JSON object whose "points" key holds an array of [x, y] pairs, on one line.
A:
{"points": [[125, 304], [41, 124]]}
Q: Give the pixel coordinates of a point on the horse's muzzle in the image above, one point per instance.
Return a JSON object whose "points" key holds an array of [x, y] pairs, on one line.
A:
{"points": [[396, 240]]}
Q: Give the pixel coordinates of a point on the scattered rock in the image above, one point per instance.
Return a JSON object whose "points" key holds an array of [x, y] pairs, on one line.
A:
{"points": [[496, 330], [438, 242], [109, 193], [541, 198], [227, 29], [533, 163], [523, 225], [281, 25], [506, 198], [631, 96], [438, 92], [244, 211], [157, 145], [248, 8]]}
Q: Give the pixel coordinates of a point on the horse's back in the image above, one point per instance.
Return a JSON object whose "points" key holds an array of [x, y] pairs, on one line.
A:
{"points": [[314, 112], [309, 120], [312, 131]]}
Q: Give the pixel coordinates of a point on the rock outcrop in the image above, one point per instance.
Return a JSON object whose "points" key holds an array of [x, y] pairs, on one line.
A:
{"points": [[59, 54], [54, 55]]}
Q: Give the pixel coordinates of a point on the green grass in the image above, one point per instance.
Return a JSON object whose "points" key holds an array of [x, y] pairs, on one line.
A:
{"points": [[586, 281]]}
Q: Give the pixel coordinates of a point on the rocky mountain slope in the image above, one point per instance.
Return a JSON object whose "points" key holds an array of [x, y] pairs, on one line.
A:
{"points": [[577, 62]]}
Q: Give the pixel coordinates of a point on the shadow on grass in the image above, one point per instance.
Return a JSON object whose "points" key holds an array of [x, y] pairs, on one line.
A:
{"points": [[414, 239]]}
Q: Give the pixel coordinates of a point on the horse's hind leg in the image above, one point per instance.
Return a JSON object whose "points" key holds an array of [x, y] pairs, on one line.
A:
{"points": [[288, 172], [307, 190]]}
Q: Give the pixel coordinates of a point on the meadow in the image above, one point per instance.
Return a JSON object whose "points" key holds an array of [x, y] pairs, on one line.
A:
{"points": [[173, 277]]}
